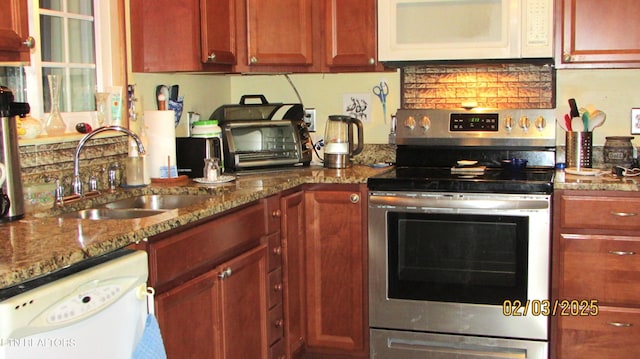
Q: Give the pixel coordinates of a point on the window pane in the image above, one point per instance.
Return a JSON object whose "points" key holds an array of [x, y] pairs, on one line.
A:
{"points": [[51, 4], [82, 7], [51, 38], [47, 94], [83, 86], [15, 79], [81, 42]]}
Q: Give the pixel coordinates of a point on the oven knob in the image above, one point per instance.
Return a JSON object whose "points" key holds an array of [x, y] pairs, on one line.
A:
{"points": [[508, 123], [541, 123], [524, 123], [410, 122], [425, 123]]}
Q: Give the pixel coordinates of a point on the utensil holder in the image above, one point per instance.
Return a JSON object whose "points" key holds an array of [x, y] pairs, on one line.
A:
{"points": [[579, 149]]}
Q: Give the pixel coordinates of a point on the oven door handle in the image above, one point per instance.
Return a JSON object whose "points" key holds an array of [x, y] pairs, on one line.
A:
{"points": [[458, 203]]}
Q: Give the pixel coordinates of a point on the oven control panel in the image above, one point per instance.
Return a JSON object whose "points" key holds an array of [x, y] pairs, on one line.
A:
{"points": [[473, 122], [496, 127]]}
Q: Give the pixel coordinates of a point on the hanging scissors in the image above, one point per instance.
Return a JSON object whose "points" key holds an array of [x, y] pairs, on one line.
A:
{"points": [[382, 91]]}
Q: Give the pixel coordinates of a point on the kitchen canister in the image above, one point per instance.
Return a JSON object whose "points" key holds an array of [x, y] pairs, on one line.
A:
{"points": [[618, 151], [579, 152]]}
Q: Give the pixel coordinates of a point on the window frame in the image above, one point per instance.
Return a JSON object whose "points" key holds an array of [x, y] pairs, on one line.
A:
{"points": [[109, 33]]}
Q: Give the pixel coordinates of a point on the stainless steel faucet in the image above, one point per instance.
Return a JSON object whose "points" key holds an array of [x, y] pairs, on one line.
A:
{"points": [[77, 183]]}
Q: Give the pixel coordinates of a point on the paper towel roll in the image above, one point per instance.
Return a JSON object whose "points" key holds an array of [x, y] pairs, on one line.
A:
{"points": [[161, 134]]}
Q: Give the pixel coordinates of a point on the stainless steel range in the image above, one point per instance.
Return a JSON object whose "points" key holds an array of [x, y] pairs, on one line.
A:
{"points": [[459, 245]]}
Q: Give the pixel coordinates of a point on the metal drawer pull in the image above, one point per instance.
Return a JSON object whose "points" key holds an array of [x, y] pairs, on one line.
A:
{"points": [[622, 253], [624, 214], [620, 325]]}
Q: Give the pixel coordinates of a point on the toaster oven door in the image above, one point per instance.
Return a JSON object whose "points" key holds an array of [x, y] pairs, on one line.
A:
{"points": [[255, 144]]}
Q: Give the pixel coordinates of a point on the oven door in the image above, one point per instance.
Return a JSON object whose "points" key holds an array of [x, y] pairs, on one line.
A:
{"points": [[456, 263]]}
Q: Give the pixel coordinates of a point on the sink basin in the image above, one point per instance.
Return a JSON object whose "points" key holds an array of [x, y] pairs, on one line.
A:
{"points": [[156, 202], [106, 213]]}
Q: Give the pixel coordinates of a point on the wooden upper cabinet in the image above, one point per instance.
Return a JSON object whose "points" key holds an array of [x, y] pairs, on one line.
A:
{"points": [[218, 21], [278, 33], [597, 33], [349, 34], [14, 31]]}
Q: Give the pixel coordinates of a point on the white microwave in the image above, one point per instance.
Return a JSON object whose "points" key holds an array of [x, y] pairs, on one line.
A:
{"points": [[426, 30]]}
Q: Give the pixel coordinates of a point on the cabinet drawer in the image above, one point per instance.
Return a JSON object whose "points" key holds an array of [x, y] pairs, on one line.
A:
{"points": [[273, 214], [611, 334], [196, 250], [276, 324], [275, 251], [600, 212], [606, 268], [275, 288]]}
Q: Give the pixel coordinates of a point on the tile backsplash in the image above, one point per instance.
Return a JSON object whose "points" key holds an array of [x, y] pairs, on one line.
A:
{"points": [[500, 85]]}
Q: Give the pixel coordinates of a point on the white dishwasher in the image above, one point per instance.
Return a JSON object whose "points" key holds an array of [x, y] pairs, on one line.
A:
{"points": [[94, 309]]}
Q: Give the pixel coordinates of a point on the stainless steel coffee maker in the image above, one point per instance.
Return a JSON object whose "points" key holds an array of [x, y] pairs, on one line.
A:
{"points": [[11, 197]]}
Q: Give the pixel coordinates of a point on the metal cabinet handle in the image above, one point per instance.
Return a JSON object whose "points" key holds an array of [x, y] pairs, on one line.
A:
{"points": [[623, 214], [225, 273], [30, 42], [622, 253], [354, 198], [372, 61], [620, 324], [212, 57], [277, 213], [253, 60], [277, 287], [278, 323], [277, 250]]}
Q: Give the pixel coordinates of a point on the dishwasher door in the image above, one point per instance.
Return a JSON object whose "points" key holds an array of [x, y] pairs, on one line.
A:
{"points": [[96, 309]]}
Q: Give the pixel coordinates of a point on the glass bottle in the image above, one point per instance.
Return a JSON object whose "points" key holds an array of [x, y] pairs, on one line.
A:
{"points": [[102, 103], [55, 125]]}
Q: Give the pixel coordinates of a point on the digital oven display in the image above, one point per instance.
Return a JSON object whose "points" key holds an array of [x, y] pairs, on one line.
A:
{"points": [[472, 122]]}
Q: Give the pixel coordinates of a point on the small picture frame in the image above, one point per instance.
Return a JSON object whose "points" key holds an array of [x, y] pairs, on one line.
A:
{"points": [[635, 121]]}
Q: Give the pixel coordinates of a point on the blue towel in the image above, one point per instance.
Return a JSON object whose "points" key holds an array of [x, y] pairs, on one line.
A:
{"points": [[150, 345]]}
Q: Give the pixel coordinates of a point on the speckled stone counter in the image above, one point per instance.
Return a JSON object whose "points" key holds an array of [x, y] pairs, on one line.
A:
{"points": [[603, 181], [43, 242]]}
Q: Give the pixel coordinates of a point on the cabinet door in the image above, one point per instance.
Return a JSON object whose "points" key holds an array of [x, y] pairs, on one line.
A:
{"points": [[14, 29], [350, 38], [293, 225], [165, 35], [335, 253], [279, 32], [218, 21], [598, 33], [189, 320], [244, 305]]}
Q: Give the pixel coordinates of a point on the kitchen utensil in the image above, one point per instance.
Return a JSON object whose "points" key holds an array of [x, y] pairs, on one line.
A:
{"points": [[577, 125], [585, 120], [12, 206], [567, 122], [596, 119], [382, 91], [338, 139], [574, 108]]}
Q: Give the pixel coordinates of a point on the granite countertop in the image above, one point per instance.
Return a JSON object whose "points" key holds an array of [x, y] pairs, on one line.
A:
{"points": [[604, 180], [43, 242]]}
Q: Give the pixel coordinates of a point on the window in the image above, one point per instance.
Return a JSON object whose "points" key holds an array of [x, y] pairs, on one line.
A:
{"points": [[81, 40]]}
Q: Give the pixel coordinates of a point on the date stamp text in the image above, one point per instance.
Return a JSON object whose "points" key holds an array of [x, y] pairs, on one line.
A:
{"points": [[560, 307]]}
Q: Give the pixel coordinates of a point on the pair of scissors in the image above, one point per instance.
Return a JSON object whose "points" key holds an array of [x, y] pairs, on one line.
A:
{"points": [[382, 91]]}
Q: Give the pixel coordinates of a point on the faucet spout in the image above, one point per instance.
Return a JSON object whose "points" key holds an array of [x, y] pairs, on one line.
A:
{"points": [[77, 183]]}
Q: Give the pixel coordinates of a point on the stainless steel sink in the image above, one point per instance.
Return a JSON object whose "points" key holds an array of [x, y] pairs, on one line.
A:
{"points": [[136, 207], [156, 202], [106, 213]]}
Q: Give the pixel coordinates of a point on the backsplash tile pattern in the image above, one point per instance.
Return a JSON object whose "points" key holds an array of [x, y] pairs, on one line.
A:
{"points": [[505, 85]]}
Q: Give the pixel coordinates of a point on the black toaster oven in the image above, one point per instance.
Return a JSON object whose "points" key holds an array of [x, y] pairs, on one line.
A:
{"points": [[261, 135]]}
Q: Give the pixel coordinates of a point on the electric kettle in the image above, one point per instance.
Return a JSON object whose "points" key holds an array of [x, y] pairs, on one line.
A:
{"points": [[338, 141], [11, 196]]}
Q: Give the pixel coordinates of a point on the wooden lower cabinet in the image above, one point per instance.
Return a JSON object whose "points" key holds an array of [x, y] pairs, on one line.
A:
{"points": [[596, 260], [335, 270], [220, 314]]}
